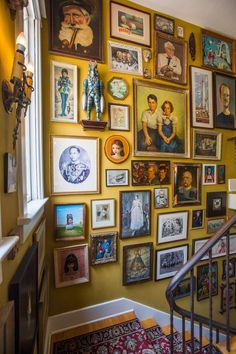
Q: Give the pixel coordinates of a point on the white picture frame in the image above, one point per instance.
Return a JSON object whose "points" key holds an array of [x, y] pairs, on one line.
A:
{"points": [[172, 227], [102, 213], [209, 175], [115, 177]]}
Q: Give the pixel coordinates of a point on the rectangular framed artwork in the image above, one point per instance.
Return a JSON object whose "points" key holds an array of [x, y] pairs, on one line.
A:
{"points": [[172, 227], [219, 249], [214, 224], [103, 248], [102, 213], [116, 178], [227, 297], [148, 173], [118, 117], [197, 219], [164, 24], [208, 174], [161, 198], [203, 281], [10, 171], [206, 145], [231, 268], [220, 174], [216, 204], [184, 288]]}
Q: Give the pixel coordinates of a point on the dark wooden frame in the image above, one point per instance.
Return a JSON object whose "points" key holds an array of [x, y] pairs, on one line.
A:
{"points": [[203, 215], [176, 237], [232, 303], [95, 238], [146, 164], [154, 198], [211, 196], [200, 283], [220, 179], [178, 293], [206, 154], [233, 262], [159, 28], [126, 118]]}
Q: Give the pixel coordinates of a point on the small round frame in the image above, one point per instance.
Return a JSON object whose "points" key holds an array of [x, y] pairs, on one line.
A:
{"points": [[117, 148], [118, 88]]}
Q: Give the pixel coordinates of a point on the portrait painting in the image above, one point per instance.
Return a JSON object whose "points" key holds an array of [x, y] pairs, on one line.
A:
{"points": [[227, 297], [10, 173], [216, 204], [70, 221], [184, 288], [63, 92], [149, 173], [118, 88], [170, 58], [74, 165], [172, 227], [71, 265], [197, 219], [160, 120], [231, 268], [208, 174], [224, 104], [117, 148], [76, 28], [203, 280], [103, 248], [214, 224], [135, 213], [220, 174], [118, 116], [102, 213], [137, 263], [161, 198], [116, 178], [187, 184], [206, 144], [164, 24]]}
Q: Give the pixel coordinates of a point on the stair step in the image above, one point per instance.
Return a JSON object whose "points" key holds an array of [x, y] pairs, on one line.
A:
{"points": [[222, 346], [156, 337]]}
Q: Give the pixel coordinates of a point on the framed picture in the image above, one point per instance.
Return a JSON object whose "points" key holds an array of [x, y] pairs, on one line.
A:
{"points": [[146, 173], [180, 31], [208, 174], [227, 296], [221, 174], [161, 198], [197, 219], [63, 92], [118, 88], [187, 183], [217, 51], [203, 280], [71, 265], [103, 248], [75, 165], [231, 267], [70, 221], [117, 148], [118, 116], [102, 213], [125, 58], [7, 328], [216, 204], [130, 24], [170, 100], [23, 289], [201, 97], [87, 43], [137, 263], [164, 24], [172, 227], [135, 213], [224, 103], [40, 237], [184, 288], [206, 145], [169, 261], [115, 178], [10, 172], [170, 58], [214, 224]]}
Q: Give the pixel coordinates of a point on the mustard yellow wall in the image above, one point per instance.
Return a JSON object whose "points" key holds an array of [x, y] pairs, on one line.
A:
{"points": [[106, 280]]}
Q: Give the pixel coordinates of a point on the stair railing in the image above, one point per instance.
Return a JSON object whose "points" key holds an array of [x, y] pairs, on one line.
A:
{"points": [[195, 318]]}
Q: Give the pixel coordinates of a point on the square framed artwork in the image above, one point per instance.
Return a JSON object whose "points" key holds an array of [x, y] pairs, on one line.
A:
{"points": [[70, 221], [103, 248], [164, 24], [63, 92], [216, 204], [118, 117], [215, 224], [71, 265], [208, 174], [169, 99], [221, 174], [135, 213], [10, 173], [118, 88], [130, 24], [87, 43], [115, 178], [231, 267], [137, 263], [125, 58], [7, 328], [203, 280], [187, 184], [169, 261], [227, 296], [197, 219], [148, 173], [102, 213], [206, 145], [184, 288], [172, 227], [161, 198], [201, 97], [75, 165], [39, 236], [170, 58]]}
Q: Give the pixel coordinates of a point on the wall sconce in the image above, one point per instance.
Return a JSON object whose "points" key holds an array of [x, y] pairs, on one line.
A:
{"points": [[22, 81]]}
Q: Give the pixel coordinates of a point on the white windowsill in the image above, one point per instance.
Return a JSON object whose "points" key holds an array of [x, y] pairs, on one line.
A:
{"points": [[6, 245]]}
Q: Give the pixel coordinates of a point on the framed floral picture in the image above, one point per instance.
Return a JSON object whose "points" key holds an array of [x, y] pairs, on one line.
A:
{"points": [[118, 88], [118, 116], [164, 24], [102, 213], [208, 174], [206, 144], [117, 148], [103, 248], [115, 178], [172, 227]]}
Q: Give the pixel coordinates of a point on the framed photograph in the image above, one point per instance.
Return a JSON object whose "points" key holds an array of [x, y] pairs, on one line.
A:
{"points": [[161, 198], [172, 227], [63, 92], [130, 24], [39, 236], [7, 328], [148, 173], [23, 289], [201, 97], [135, 213], [217, 51], [125, 58], [70, 221], [208, 174], [170, 58], [164, 24], [137, 263], [219, 249], [216, 204], [150, 113], [214, 224], [197, 219], [203, 280], [10, 173], [206, 145], [224, 103], [184, 288], [87, 43], [103, 248], [71, 265], [118, 88], [231, 267], [169, 261], [118, 116], [227, 297], [115, 178], [187, 183], [180, 31], [221, 174], [117, 148], [75, 165], [102, 213]]}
